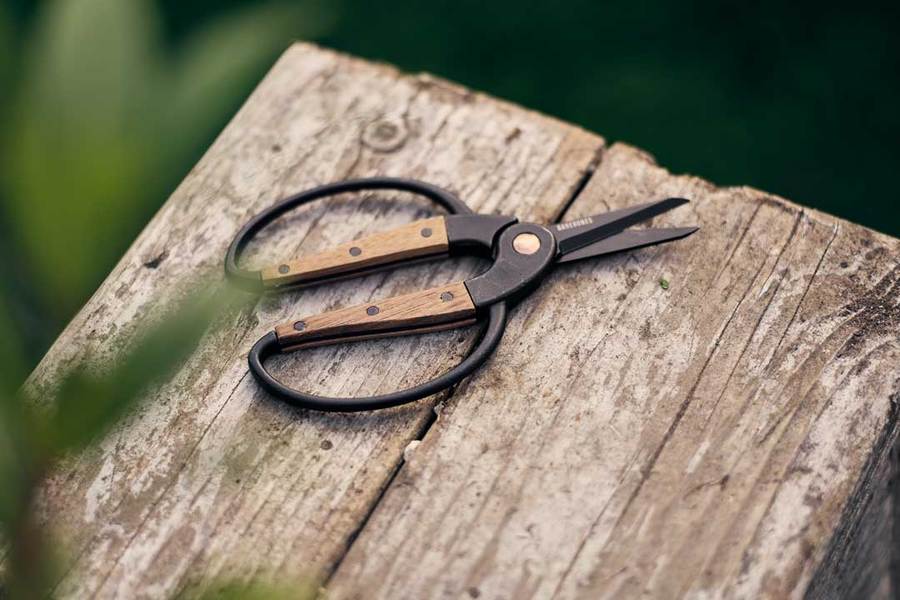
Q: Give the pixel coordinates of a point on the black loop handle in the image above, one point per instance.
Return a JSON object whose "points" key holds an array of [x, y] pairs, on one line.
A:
{"points": [[250, 280], [268, 345]]}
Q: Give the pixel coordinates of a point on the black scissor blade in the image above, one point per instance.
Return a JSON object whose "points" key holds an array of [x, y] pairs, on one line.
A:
{"points": [[579, 233], [628, 240]]}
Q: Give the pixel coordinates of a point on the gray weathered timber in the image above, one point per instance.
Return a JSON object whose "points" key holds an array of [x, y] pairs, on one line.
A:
{"points": [[211, 478], [729, 436], [704, 440]]}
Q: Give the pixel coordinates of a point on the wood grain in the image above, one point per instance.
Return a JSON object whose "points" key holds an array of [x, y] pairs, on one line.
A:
{"points": [[717, 439], [727, 435], [427, 237], [211, 478], [448, 305]]}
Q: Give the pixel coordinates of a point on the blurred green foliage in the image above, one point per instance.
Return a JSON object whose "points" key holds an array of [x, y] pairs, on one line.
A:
{"points": [[99, 116], [89, 400], [253, 590]]}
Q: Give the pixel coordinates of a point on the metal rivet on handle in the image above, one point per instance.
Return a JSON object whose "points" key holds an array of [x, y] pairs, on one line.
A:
{"points": [[355, 251], [300, 325], [447, 296], [526, 243], [372, 311], [426, 232], [283, 269]]}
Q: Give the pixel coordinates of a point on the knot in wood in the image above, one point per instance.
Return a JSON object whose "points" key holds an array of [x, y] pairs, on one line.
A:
{"points": [[385, 135]]}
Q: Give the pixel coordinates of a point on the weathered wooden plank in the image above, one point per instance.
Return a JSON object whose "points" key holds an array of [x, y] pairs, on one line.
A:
{"points": [[728, 436], [857, 563], [212, 478], [712, 439]]}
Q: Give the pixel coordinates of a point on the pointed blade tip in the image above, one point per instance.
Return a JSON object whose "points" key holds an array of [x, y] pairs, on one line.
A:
{"points": [[679, 233], [630, 239], [572, 235]]}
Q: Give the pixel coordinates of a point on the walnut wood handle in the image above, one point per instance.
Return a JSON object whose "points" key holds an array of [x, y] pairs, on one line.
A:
{"points": [[444, 307], [427, 237]]}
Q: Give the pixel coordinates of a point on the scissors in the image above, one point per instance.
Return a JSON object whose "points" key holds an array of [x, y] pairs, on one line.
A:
{"points": [[522, 255]]}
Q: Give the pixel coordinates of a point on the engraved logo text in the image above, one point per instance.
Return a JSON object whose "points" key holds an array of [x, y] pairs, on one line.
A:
{"points": [[574, 224]]}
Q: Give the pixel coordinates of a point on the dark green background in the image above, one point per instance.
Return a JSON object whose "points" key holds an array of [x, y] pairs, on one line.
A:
{"points": [[795, 98]]}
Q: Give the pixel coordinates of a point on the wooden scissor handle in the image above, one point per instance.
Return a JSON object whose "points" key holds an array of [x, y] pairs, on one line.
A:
{"points": [[494, 321], [444, 307], [425, 238]]}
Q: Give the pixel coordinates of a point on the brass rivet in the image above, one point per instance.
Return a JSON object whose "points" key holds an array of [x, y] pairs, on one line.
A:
{"points": [[283, 269], [426, 232], [526, 243], [447, 296], [354, 251], [300, 325], [372, 311]]}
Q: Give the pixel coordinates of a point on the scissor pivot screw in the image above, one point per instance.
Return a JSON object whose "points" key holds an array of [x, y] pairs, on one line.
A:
{"points": [[526, 243], [300, 325], [283, 269], [372, 311], [426, 232], [446, 297], [355, 251]]}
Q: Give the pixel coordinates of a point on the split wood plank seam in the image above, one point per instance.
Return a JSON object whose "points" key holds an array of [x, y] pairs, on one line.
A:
{"points": [[474, 160], [730, 436]]}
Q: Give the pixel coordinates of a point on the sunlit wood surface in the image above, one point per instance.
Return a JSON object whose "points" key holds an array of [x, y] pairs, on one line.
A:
{"points": [[727, 434]]}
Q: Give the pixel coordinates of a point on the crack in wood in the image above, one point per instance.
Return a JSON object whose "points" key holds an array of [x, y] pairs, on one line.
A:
{"points": [[577, 463]]}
